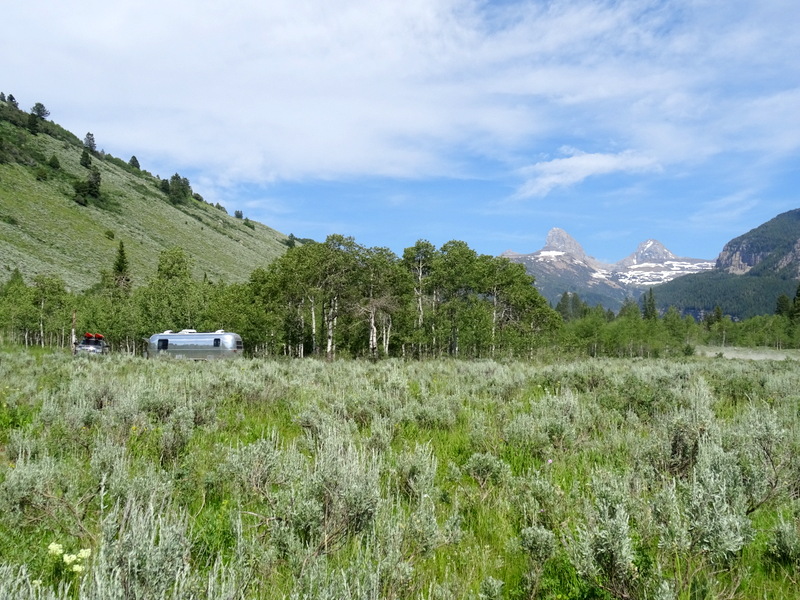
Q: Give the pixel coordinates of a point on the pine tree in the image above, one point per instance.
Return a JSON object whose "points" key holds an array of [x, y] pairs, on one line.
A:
{"points": [[783, 306], [89, 143], [650, 312], [93, 183], [86, 159], [33, 123], [796, 305], [40, 111], [122, 278], [564, 307]]}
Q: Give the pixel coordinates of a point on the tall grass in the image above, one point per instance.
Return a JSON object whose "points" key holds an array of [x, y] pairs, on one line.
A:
{"points": [[442, 479]]}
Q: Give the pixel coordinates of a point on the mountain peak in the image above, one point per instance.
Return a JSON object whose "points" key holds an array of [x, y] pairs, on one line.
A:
{"points": [[650, 251], [558, 239], [563, 265]]}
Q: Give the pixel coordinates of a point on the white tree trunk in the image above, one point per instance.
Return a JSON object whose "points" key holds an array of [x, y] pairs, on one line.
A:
{"points": [[373, 334], [330, 321]]}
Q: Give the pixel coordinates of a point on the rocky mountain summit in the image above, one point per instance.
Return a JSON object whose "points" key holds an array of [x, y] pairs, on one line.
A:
{"points": [[563, 265], [772, 247]]}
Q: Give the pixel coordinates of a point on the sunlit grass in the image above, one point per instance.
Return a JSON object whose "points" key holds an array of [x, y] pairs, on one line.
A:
{"points": [[51, 234], [400, 479]]}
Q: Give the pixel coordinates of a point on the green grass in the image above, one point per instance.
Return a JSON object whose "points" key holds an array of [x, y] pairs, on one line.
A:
{"points": [[43, 231], [397, 479]]}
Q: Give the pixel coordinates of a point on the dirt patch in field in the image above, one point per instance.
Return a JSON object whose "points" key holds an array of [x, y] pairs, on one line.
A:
{"points": [[748, 353]]}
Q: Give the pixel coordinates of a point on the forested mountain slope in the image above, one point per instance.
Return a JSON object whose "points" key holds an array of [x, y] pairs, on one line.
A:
{"points": [[771, 249], [751, 272], [739, 296], [64, 208]]}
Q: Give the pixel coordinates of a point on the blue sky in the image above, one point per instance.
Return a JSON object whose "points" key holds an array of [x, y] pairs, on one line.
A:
{"points": [[393, 121]]}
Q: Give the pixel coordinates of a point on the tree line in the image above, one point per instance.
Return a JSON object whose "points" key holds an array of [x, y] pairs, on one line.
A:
{"points": [[339, 298], [324, 299]]}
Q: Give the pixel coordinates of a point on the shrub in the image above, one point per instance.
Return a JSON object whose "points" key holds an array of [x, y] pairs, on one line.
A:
{"points": [[415, 472], [487, 469], [783, 547]]}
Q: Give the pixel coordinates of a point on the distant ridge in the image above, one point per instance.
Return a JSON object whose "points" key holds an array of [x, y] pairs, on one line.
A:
{"points": [[562, 265], [773, 247], [750, 273]]}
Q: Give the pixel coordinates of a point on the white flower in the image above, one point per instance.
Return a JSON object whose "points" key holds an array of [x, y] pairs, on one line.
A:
{"points": [[55, 549], [70, 558], [77, 568], [84, 553]]}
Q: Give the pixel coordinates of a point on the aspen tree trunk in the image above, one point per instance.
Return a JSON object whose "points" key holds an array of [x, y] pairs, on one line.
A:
{"points": [[494, 320], [433, 325], [373, 334], [41, 325], [420, 307], [314, 348], [330, 321], [300, 348], [387, 331], [418, 293]]}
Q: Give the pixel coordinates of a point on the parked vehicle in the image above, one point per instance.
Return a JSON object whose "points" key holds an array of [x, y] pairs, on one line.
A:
{"points": [[193, 345], [91, 343]]}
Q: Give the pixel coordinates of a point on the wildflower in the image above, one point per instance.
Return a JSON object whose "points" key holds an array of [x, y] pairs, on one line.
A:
{"points": [[84, 553], [70, 558], [77, 568], [549, 461], [55, 549]]}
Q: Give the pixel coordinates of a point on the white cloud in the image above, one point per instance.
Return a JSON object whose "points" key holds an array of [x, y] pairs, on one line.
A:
{"points": [[722, 212], [543, 177], [309, 89]]}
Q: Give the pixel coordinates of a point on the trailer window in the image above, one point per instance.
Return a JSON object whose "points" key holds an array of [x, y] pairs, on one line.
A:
{"points": [[239, 345], [163, 344], [216, 342]]}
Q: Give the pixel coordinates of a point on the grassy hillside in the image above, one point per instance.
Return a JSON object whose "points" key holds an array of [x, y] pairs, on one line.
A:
{"points": [[43, 230]]}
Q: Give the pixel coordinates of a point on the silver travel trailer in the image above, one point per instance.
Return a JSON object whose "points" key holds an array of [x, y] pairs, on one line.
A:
{"points": [[192, 345]]}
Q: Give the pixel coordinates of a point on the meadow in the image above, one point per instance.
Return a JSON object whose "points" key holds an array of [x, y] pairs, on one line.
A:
{"points": [[441, 479]]}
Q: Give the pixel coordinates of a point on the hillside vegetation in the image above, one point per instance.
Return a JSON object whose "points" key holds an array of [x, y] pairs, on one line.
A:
{"points": [[483, 480], [740, 296], [751, 271], [47, 228]]}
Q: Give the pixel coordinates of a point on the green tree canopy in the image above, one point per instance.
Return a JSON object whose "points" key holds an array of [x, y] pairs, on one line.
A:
{"points": [[174, 263], [40, 111], [89, 142], [121, 271], [86, 159]]}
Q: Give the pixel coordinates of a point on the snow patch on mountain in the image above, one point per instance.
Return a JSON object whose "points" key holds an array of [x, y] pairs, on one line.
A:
{"points": [[563, 265]]}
